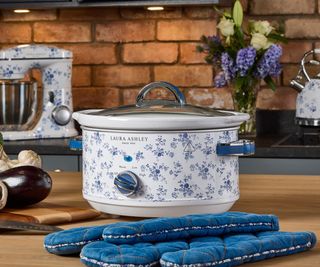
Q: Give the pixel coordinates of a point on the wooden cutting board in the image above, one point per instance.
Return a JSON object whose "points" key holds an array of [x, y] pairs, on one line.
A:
{"points": [[48, 213]]}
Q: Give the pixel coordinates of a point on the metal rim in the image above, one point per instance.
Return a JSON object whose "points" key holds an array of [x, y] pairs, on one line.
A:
{"points": [[209, 130], [307, 122], [6, 82]]}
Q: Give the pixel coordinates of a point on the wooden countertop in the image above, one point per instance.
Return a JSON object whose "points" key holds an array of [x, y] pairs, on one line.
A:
{"points": [[295, 199]]}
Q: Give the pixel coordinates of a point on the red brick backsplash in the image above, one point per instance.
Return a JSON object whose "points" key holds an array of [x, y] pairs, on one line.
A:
{"points": [[95, 97], [184, 30], [126, 31], [15, 32], [118, 50], [121, 76], [302, 28], [211, 97], [91, 14], [200, 12], [92, 53], [68, 32], [81, 76], [282, 98], [271, 7], [185, 75], [294, 50], [154, 52], [189, 54]]}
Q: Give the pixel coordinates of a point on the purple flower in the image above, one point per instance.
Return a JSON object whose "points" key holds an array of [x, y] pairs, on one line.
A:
{"points": [[214, 39], [228, 67], [220, 80], [276, 70], [211, 40], [269, 63], [210, 48], [245, 59]]}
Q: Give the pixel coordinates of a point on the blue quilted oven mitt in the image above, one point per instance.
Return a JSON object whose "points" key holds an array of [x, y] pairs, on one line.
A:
{"points": [[155, 230], [71, 241], [226, 239], [166, 229], [227, 250]]}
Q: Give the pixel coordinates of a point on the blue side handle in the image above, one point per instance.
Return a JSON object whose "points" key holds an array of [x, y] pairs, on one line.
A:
{"points": [[75, 143], [237, 148]]}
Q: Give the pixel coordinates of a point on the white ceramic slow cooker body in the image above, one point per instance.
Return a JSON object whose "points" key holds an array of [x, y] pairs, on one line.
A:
{"points": [[179, 172], [163, 153]]}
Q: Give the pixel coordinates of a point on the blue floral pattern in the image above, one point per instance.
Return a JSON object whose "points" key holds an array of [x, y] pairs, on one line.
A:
{"points": [[170, 166], [56, 79], [308, 100]]}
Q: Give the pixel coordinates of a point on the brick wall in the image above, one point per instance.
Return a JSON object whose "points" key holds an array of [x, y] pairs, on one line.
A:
{"points": [[116, 51]]}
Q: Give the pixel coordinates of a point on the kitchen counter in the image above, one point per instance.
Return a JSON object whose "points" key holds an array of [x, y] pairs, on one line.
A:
{"points": [[295, 199]]}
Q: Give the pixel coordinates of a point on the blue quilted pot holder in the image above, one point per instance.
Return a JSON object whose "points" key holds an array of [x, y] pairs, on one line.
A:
{"points": [[72, 241], [227, 239]]}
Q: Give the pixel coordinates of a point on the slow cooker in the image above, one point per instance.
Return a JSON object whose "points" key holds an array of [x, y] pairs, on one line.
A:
{"points": [[161, 157]]}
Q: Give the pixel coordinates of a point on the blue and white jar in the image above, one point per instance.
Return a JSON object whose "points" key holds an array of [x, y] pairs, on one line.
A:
{"points": [[161, 157]]}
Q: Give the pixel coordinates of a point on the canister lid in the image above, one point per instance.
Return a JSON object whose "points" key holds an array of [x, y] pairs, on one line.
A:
{"points": [[32, 51], [158, 114]]}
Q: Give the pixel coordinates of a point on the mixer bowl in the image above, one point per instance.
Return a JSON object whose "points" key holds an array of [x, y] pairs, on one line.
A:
{"points": [[18, 104]]}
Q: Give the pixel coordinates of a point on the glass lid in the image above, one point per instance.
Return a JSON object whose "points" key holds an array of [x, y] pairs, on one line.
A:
{"points": [[159, 115], [161, 107]]}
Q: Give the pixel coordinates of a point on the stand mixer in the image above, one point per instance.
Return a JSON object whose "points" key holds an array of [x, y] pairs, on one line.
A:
{"points": [[19, 98]]}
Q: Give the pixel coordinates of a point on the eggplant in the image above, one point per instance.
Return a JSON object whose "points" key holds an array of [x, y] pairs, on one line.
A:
{"points": [[25, 185]]}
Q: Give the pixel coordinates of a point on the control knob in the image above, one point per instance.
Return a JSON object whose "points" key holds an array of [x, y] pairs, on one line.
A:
{"points": [[61, 115], [127, 183]]}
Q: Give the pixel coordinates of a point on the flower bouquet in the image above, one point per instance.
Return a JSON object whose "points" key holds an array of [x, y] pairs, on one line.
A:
{"points": [[242, 57]]}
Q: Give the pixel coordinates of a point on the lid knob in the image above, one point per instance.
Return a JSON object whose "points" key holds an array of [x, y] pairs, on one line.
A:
{"points": [[140, 101]]}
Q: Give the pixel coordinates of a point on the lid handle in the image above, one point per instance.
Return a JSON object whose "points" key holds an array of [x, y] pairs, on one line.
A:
{"points": [[172, 88]]}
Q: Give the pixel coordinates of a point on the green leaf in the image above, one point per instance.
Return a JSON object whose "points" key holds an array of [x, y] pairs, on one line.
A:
{"points": [[277, 37], [239, 38], [199, 49], [237, 13], [223, 13], [270, 83], [240, 81], [1, 139], [227, 15]]}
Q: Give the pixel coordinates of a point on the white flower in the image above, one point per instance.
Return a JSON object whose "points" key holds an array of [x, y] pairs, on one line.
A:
{"points": [[259, 41], [226, 26], [262, 27]]}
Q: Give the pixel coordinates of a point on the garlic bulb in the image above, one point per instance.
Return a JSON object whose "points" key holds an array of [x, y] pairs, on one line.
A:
{"points": [[25, 157], [29, 157], [13, 163], [3, 165]]}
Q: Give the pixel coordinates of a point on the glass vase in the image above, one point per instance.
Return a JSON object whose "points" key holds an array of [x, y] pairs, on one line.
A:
{"points": [[244, 100]]}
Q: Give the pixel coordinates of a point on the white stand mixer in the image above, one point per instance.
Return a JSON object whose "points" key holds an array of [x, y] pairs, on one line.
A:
{"points": [[56, 66]]}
